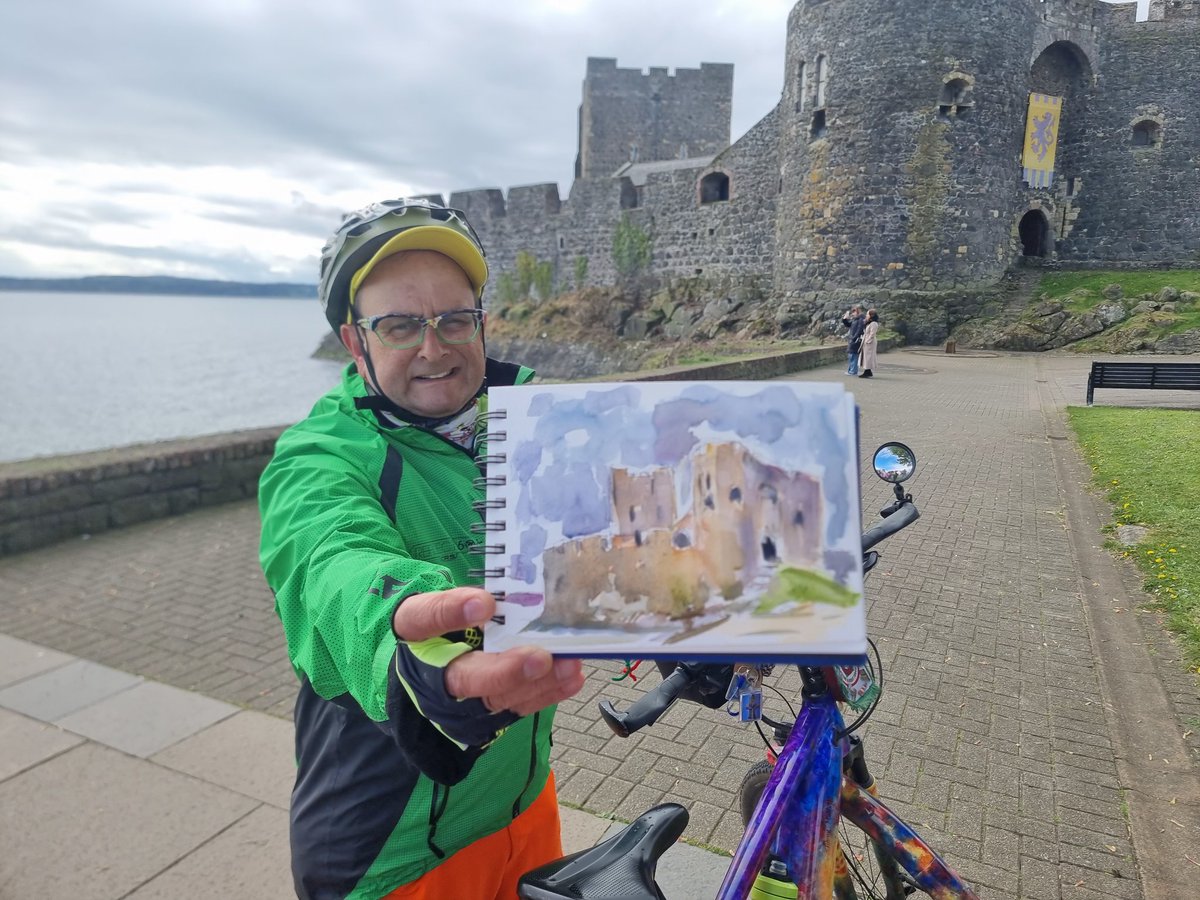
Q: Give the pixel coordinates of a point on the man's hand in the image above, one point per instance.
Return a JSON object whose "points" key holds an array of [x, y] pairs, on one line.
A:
{"points": [[523, 679]]}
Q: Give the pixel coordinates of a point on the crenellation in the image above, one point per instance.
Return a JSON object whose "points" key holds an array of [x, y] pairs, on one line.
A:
{"points": [[481, 204], [532, 200]]}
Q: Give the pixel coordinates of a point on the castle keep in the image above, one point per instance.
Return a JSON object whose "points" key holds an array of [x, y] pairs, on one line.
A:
{"points": [[891, 167]]}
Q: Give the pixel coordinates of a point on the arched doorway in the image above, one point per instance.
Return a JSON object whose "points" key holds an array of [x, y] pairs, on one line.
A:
{"points": [[1035, 234]]}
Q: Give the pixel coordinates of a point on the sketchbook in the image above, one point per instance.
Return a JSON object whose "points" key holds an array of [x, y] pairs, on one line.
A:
{"points": [[677, 520]]}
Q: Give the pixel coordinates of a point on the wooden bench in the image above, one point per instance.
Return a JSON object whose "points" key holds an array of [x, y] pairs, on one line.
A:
{"points": [[1159, 376]]}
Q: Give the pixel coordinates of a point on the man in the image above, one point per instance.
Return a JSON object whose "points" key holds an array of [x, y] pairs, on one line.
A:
{"points": [[423, 765], [855, 321]]}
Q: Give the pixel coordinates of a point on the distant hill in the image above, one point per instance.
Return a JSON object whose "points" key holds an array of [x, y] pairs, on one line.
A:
{"points": [[158, 284]]}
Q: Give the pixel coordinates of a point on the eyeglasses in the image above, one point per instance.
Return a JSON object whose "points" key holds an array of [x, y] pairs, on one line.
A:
{"points": [[400, 332]]}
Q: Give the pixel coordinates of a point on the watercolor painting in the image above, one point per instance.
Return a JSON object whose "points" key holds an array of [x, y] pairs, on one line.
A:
{"points": [[697, 515]]}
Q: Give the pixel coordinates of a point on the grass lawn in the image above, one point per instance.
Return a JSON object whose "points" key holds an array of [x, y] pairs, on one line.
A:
{"points": [[1134, 283], [1145, 461]]}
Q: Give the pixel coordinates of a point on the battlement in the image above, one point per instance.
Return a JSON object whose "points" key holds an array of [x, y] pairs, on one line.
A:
{"points": [[604, 71], [628, 115]]}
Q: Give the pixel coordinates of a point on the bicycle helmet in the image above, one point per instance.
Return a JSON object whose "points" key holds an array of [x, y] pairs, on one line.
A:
{"points": [[373, 233]]}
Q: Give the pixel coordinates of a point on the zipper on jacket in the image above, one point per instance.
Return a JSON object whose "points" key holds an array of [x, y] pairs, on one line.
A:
{"points": [[532, 766], [435, 814]]}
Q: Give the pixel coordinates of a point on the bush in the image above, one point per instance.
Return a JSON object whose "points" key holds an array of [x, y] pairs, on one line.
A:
{"points": [[630, 249]]}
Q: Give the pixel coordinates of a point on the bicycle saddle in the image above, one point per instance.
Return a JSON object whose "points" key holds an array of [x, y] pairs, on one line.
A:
{"points": [[621, 868]]}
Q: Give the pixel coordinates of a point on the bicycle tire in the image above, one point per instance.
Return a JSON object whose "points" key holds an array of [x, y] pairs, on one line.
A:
{"points": [[876, 875]]}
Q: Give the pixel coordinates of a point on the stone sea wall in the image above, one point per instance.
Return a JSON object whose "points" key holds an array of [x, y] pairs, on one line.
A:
{"points": [[49, 499], [46, 500]]}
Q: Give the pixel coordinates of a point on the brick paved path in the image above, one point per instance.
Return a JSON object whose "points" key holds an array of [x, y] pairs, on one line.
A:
{"points": [[992, 737]]}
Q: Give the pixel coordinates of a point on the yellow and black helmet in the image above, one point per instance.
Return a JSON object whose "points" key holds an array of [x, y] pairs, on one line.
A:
{"points": [[370, 235]]}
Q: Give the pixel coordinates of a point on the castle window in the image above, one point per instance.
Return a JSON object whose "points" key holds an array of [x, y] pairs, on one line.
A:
{"points": [[1147, 133], [822, 80], [631, 194], [562, 242], [818, 128], [798, 518], [801, 87], [735, 494], [714, 187], [954, 100], [768, 550], [681, 540]]}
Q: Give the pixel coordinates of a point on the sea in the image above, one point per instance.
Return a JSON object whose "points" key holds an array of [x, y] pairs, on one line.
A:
{"points": [[91, 371]]}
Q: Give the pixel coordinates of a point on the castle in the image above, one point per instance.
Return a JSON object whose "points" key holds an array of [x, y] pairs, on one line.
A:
{"points": [[891, 169]]}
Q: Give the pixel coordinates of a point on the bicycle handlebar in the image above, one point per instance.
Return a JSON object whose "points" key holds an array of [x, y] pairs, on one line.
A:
{"points": [[904, 516], [649, 707]]}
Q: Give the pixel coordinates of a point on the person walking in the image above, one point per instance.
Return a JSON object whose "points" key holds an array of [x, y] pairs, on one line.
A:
{"points": [[870, 344], [854, 321], [423, 765]]}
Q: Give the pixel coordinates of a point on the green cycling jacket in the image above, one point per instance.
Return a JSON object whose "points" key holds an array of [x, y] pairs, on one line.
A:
{"points": [[394, 774]]}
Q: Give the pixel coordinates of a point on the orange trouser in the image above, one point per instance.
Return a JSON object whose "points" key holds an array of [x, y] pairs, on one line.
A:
{"points": [[490, 868]]}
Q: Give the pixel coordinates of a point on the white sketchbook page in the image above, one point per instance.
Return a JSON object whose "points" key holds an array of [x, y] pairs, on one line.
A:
{"points": [[674, 519]]}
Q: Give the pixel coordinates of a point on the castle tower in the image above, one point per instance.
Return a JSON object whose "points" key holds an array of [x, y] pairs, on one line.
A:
{"points": [[902, 125], [630, 116]]}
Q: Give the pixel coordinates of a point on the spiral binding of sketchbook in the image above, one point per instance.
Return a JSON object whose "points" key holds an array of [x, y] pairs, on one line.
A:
{"points": [[673, 519]]}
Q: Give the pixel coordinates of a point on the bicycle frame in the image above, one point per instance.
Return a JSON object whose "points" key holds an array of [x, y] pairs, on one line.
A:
{"points": [[797, 817]]}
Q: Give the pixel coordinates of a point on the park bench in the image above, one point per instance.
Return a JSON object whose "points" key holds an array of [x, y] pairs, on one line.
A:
{"points": [[1160, 376]]}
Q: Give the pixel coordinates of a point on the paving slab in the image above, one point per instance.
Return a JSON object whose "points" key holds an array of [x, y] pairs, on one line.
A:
{"points": [[251, 753], [146, 718], [580, 830], [59, 692], [25, 742], [95, 824], [249, 861], [21, 659]]}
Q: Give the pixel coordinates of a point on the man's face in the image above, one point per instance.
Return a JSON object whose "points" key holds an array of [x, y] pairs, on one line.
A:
{"points": [[432, 379]]}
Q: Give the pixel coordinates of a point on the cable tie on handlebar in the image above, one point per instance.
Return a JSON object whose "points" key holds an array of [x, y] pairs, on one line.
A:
{"points": [[628, 670]]}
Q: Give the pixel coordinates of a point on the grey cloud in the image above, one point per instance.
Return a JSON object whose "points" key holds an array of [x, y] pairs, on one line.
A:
{"points": [[436, 97]]}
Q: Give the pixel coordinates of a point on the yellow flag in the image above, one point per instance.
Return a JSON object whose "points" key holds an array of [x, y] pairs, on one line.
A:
{"points": [[1041, 139]]}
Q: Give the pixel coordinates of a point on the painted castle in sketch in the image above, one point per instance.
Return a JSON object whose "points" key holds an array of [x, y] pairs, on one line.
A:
{"points": [[747, 519]]}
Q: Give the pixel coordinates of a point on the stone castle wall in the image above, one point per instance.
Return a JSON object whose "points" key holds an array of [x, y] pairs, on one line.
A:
{"points": [[892, 163], [1142, 202]]}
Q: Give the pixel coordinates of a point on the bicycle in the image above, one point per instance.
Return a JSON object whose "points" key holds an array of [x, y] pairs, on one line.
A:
{"points": [[815, 775]]}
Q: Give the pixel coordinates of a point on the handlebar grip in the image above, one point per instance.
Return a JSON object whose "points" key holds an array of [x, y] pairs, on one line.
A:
{"points": [[902, 518], [648, 708]]}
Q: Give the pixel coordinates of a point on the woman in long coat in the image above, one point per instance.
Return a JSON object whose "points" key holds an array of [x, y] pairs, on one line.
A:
{"points": [[870, 341]]}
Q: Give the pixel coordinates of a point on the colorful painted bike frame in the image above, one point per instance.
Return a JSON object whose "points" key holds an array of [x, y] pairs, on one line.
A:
{"points": [[797, 817]]}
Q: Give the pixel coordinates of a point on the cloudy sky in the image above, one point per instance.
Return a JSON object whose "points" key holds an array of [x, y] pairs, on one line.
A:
{"points": [[223, 138]]}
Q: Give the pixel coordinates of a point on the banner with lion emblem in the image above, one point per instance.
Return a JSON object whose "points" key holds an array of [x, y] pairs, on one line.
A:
{"points": [[1041, 139]]}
